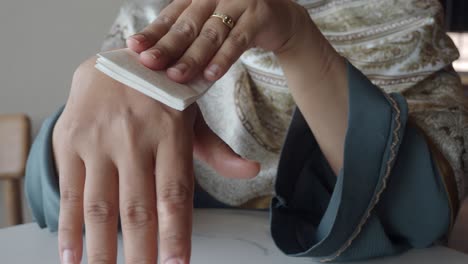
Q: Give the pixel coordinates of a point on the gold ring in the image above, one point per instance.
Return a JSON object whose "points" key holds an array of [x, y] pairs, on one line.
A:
{"points": [[227, 20]]}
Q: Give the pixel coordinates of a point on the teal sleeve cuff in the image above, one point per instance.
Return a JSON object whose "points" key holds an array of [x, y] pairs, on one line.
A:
{"points": [[387, 198], [41, 184]]}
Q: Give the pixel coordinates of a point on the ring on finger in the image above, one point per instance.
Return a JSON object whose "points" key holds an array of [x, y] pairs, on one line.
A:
{"points": [[226, 19]]}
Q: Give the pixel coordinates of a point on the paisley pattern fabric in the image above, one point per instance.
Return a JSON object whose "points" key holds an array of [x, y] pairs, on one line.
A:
{"points": [[399, 45]]}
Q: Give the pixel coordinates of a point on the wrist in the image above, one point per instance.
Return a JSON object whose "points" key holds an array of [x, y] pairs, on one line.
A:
{"points": [[302, 26], [309, 51]]}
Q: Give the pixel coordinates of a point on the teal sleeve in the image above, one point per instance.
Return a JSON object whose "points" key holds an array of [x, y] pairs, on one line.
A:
{"points": [[41, 184], [387, 198]]}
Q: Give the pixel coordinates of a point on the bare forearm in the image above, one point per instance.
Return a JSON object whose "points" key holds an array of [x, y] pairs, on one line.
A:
{"points": [[317, 79]]}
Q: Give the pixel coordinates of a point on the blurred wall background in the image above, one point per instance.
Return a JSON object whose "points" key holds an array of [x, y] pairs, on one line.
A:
{"points": [[41, 43]]}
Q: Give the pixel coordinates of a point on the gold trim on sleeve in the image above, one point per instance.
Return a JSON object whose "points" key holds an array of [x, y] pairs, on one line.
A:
{"points": [[389, 166], [262, 202]]}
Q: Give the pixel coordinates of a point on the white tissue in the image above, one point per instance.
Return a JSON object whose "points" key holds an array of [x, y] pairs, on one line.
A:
{"points": [[123, 66]]}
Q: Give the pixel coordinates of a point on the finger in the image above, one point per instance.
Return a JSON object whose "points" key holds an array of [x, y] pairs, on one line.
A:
{"points": [[180, 36], [158, 28], [211, 149], [138, 207], [100, 209], [205, 46], [175, 183], [71, 180], [239, 40]]}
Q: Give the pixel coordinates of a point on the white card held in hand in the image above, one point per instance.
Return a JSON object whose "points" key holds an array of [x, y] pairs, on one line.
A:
{"points": [[123, 65]]}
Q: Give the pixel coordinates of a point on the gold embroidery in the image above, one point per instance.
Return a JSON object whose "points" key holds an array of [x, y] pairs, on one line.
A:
{"points": [[262, 202], [264, 112], [437, 105]]}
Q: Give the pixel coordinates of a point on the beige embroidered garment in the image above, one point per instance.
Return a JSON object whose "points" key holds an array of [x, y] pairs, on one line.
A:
{"points": [[399, 45]]}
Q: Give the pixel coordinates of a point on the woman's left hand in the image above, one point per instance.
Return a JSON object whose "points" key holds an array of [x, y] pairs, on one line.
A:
{"points": [[187, 40]]}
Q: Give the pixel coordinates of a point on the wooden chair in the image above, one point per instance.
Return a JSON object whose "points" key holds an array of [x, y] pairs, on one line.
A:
{"points": [[14, 148]]}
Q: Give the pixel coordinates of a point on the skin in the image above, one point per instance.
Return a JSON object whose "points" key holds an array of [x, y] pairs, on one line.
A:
{"points": [[112, 159], [99, 178]]}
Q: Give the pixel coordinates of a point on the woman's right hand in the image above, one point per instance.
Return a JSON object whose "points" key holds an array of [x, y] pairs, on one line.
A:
{"points": [[121, 153]]}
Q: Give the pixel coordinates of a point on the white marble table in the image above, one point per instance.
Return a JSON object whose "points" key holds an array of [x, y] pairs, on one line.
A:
{"points": [[220, 236]]}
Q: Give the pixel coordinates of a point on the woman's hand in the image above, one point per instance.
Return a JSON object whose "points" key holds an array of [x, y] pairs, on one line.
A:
{"points": [[186, 37], [121, 153]]}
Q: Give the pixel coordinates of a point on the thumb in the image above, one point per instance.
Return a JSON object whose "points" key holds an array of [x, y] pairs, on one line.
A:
{"points": [[212, 150]]}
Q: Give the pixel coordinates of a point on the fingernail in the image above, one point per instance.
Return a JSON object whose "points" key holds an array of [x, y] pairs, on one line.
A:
{"points": [[151, 55], [68, 257], [138, 38], [173, 261], [180, 68], [213, 70]]}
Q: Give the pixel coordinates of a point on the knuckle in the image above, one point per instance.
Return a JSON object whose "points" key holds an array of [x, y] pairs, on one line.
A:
{"points": [[239, 40], [58, 139], [225, 58], [100, 258], [72, 132], [175, 238], [139, 261], [183, 2], [127, 124], [71, 197], [99, 212], [171, 122], [136, 215], [212, 36], [66, 232], [173, 196], [187, 28], [164, 19], [192, 61], [68, 134], [82, 137]]}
